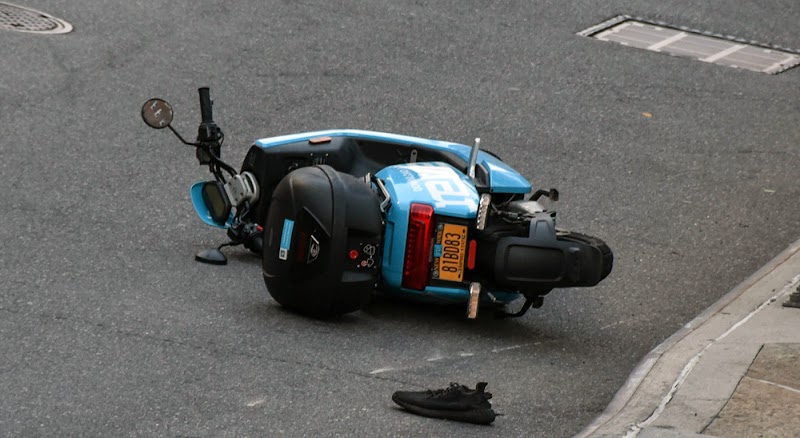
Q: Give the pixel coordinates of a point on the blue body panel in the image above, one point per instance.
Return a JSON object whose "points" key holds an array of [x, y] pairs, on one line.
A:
{"points": [[450, 193], [202, 210], [504, 179], [439, 185]]}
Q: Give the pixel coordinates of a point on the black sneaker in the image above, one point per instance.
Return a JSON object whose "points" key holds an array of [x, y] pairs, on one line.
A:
{"points": [[456, 402]]}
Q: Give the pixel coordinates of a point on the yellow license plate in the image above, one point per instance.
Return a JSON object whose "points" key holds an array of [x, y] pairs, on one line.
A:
{"points": [[449, 252]]}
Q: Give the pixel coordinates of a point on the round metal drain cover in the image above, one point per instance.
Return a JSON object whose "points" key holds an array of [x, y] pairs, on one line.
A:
{"points": [[22, 19]]}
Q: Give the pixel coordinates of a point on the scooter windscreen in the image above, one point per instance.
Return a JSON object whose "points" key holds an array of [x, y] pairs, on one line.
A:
{"points": [[211, 204]]}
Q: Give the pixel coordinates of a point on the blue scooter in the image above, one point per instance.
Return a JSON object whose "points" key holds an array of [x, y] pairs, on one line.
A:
{"points": [[339, 214]]}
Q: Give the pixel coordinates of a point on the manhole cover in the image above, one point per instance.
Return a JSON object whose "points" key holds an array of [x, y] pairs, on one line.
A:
{"points": [[21, 19], [688, 43]]}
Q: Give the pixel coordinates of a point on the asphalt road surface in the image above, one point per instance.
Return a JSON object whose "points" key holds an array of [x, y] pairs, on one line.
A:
{"points": [[109, 328]]}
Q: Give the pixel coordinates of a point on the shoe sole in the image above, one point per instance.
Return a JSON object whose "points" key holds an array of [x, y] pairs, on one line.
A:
{"points": [[475, 416]]}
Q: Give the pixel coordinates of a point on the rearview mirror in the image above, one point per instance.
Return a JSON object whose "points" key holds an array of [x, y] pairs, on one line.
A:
{"points": [[157, 113]]}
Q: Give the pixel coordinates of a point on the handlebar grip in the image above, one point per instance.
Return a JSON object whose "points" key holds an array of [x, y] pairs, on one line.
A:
{"points": [[205, 105]]}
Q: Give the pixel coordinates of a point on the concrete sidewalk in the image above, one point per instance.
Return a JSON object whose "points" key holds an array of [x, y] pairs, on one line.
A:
{"points": [[734, 371]]}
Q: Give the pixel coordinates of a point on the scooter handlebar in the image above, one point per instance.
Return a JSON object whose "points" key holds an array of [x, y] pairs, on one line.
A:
{"points": [[205, 105]]}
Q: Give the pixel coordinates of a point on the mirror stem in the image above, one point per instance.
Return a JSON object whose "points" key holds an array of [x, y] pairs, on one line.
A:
{"points": [[179, 136]]}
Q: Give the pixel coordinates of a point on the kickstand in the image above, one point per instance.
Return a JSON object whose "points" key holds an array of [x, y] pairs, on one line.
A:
{"points": [[525, 306]]}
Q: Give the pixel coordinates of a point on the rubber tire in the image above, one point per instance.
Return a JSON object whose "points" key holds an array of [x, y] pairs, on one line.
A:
{"points": [[605, 250], [314, 308]]}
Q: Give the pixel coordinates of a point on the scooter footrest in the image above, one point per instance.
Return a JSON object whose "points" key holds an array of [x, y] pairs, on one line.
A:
{"points": [[474, 299]]}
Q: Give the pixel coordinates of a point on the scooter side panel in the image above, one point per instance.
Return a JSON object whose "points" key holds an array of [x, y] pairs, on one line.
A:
{"points": [[503, 179], [439, 185], [354, 133]]}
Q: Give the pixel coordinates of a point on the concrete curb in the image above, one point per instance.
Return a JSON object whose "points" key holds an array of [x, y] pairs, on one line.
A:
{"points": [[645, 366]]}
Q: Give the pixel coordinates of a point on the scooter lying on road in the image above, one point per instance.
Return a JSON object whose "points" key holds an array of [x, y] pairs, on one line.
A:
{"points": [[339, 214]]}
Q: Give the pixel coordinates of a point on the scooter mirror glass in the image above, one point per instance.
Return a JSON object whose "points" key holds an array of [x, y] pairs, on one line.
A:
{"points": [[157, 113]]}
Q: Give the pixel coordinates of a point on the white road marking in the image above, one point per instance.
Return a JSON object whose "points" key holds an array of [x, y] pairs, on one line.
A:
{"points": [[788, 388], [780, 64], [382, 370], [513, 347], [602, 35], [724, 53], [439, 358], [657, 46]]}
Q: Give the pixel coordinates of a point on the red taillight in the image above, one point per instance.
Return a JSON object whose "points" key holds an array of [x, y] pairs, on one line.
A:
{"points": [[416, 264], [473, 250]]}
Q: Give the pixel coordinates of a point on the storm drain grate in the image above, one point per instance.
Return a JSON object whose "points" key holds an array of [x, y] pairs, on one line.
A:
{"points": [[21, 19], [702, 46]]}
